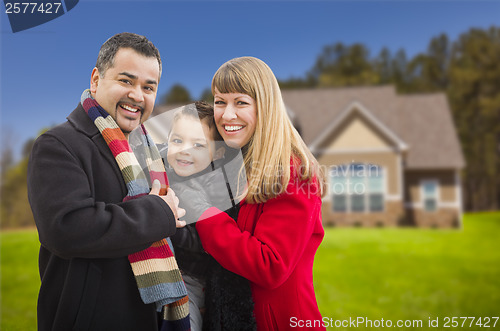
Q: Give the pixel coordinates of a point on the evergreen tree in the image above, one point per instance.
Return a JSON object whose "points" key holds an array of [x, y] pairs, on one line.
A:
{"points": [[341, 65], [382, 66], [15, 210], [207, 96], [177, 94], [475, 100]]}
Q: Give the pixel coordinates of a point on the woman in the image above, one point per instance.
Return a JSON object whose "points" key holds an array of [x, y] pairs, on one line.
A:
{"points": [[278, 229]]}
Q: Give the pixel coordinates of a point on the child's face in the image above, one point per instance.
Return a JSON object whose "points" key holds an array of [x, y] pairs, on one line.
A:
{"points": [[189, 150]]}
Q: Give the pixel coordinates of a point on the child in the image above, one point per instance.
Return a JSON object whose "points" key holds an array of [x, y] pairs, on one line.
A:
{"points": [[191, 151], [195, 164]]}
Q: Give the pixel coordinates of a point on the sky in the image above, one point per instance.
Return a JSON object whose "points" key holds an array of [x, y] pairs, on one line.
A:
{"points": [[45, 69]]}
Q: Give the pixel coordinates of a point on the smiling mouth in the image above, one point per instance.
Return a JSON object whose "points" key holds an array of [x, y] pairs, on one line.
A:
{"points": [[233, 128], [184, 163], [131, 109]]}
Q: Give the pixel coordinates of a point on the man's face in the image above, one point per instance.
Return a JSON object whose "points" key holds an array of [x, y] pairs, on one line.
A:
{"points": [[127, 90]]}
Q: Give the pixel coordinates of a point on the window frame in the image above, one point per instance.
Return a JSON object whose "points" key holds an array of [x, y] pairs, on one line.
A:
{"points": [[424, 197], [366, 195]]}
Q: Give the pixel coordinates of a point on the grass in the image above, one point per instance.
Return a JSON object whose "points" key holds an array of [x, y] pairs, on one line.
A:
{"points": [[19, 279], [394, 274], [411, 274]]}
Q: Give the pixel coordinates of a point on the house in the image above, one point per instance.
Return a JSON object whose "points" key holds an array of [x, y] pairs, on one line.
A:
{"points": [[390, 159]]}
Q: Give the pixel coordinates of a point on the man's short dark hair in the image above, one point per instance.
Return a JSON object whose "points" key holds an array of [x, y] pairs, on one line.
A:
{"points": [[138, 43]]}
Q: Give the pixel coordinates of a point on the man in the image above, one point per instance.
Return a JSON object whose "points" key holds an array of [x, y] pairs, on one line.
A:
{"points": [[76, 191]]}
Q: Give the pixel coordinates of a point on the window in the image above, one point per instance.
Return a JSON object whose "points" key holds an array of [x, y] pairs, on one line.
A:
{"points": [[357, 188], [376, 189], [430, 195]]}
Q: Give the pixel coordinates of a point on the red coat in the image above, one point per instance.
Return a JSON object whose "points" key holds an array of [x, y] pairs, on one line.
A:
{"points": [[273, 245]]}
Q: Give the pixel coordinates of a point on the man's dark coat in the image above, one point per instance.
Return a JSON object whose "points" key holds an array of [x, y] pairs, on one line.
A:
{"points": [[86, 232]]}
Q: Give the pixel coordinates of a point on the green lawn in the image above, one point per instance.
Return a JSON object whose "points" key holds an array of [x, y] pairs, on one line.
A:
{"points": [[411, 274], [394, 274], [19, 279]]}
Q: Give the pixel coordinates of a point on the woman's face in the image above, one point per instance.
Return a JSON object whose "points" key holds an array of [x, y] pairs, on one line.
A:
{"points": [[236, 117]]}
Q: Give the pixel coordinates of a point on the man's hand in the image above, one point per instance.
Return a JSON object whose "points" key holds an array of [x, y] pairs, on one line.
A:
{"points": [[171, 200]]}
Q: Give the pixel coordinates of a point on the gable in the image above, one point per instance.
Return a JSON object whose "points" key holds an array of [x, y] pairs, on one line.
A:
{"points": [[356, 127], [356, 133]]}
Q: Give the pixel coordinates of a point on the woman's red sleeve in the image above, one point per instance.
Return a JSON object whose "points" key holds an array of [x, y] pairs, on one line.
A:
{"points": [[281, 234]]}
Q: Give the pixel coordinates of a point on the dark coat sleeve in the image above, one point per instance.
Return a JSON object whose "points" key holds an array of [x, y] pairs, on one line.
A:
{"points": [[76, 199]]}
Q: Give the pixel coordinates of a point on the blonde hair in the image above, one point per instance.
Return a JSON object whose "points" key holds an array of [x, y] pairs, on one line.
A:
{"points": [[275, 142]]}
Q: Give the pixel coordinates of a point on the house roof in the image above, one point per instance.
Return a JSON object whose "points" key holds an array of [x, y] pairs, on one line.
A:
{"points": [[422, 122]]}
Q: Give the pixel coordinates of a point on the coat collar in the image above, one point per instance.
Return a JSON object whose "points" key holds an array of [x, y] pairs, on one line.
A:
{"points": [[82, 123]]}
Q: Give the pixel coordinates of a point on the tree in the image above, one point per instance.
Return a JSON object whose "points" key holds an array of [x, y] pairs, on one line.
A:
{"points": [[429, 72], [28, 146], [6, 150], [298, 82], [6, 159], [382, 65], [399, 69], [15, 210], [340, 65], [473, 93], [437, 70], [207, 96], [177, 94]]}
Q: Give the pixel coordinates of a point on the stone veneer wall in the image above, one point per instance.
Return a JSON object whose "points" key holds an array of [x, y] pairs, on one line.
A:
{"points": [[393, 215], [442, 218]]}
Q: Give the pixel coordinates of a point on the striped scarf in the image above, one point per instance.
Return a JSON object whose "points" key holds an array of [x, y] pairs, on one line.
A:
{"points": [[155, 269]]}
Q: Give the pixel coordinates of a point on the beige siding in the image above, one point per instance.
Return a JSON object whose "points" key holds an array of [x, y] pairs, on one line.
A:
{"points": [[357, 134]]}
